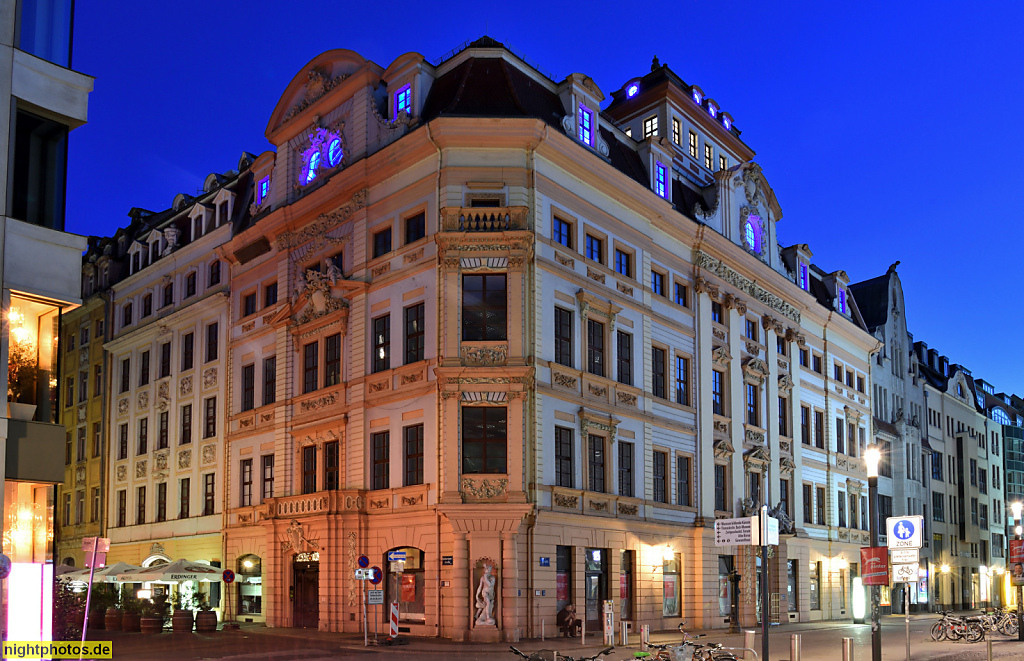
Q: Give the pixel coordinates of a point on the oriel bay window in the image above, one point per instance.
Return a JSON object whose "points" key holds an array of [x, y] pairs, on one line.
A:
{"points": [[484, 439], [484, 307]]}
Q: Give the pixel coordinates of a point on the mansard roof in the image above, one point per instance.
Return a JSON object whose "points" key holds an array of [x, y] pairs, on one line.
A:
{"points": [[873, 300]]}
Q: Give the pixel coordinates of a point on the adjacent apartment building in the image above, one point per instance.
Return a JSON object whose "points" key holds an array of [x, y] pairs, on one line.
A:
{"points": [[43, 100]]}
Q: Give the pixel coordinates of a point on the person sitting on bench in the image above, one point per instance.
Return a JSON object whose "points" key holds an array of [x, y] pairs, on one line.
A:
{"points": [[567, 622]]}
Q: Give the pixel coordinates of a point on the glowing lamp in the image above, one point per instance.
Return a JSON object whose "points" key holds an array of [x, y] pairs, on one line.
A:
{"points": [[872, 455], [859, 602], [667, 554], [1016, 507], [247, 564], [944, 569], [144, 594], [1018, 531], [632, 90]]}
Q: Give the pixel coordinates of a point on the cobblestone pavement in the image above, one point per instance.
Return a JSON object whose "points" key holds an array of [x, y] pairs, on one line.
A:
{"points": [[820, 641]]}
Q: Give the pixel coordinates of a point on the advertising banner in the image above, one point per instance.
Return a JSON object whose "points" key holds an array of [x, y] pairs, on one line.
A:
{"points": [[875, 563], [1017, 561]]}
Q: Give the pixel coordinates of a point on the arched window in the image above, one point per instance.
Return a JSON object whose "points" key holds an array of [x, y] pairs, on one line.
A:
{"points": [[752, 233], [250, 585], [1000, 416], [405, 584]]}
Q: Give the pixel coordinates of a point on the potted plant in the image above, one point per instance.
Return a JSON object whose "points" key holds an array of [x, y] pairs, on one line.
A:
{"points": [[22, 377], [206, 618], [182, 621], [101, 599], [132, 607], [153, 612]]}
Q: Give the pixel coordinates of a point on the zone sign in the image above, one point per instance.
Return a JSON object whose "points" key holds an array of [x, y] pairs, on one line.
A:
{"points": [[904, 532]]}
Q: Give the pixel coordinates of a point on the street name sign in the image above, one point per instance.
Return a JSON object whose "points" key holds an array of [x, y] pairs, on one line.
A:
{"points": [[905, 573], [736, 532], [904, 532], [905, 556]]}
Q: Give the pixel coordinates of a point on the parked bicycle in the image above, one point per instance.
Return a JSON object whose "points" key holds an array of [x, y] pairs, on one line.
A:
{"points": [[952, 627], [549, 655], [1002, 620]]}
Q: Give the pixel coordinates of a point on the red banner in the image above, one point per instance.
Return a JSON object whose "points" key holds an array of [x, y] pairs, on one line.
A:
{"points": [[1017, 561], [874, 562], [409, 588]]}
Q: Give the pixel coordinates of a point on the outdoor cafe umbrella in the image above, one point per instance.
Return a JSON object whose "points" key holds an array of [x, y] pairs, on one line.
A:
{"points": [[174, 572], [101, 575]]}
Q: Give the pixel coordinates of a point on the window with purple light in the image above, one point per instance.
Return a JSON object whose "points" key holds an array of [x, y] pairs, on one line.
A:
{"points": [[803, 276], [403, 100], [632, 90], [752, 233], [660, 180], [712, 110], [262, 190], [334, 152], [586, 126], [725, 122], [325, 150], [841, 297], [696, 97]]}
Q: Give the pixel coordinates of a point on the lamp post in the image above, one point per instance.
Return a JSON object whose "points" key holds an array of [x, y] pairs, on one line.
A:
{"points": [[872, 455], [1016, 507]]}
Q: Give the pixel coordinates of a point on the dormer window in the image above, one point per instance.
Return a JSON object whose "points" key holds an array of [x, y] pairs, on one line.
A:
{"points": [[752, 233], [403, 101], [586, 126], [154, 251], [632, 90], [262, 189], [661, 179], [802, 275], [222, 213], [325, 151], [712, 110], [726, 123], [841, 300], [697, 98]]}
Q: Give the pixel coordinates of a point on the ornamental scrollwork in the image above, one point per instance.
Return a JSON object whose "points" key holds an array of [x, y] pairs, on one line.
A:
{"points": [[324, 223], [485, 488], [185, 387], [317, 84], [140, 469], [122, 473], [702, 260], [143, 399], [485, 356], [209, 378], [562, 500], [209, 454]]}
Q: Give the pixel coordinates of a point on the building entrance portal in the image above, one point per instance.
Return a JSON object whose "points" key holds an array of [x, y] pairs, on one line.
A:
{"points": [[306, 593]]}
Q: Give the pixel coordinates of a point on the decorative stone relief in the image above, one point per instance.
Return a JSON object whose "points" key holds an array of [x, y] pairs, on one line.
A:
{"points": [[297, 539], [380, 504], [484, 488], [142, 400], [719, 334], [595, 275], [730, 301], [380, 269], [628, 509], [752, 348], [185, 386], [122, 406], [723, 448], [720, 356], [83, 355], [163, 395], [485, 356], [248, 326], [786, 466], [122, 473], [721, 427], [318, 403], [160, 461], [564, 261], [852, 414], [81, 413], [785, 383], [599, 505], [184, 458], [563, 380], [705, 261], [598, 391], [156, 548], [411, 378], [79, 476], [755, 370], [702, 285], [626, 398], [209, 378], [562, 500], [140, 469], [412, 500], [625, 289], [380, 385], [751, 436], [209, 454]]}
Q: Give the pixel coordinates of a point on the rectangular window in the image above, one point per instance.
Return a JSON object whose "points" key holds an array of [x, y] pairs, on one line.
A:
{"points": [[819, 429], [680, 297], [140, 506], [805, 425], [841, 502], [415, 228], [721, 488], [651, 126], [309, 469], [783, 416], [561, 232], [595, 347], [208, 494], [382, 343], [80, 445], [403, 100], [661, 179], [144, 368], [122, 442], [381, 448], [716, 312], [413, 439], [708, 155], [595, 249], [815, 584], [184, 497], [805, 357], [97, 439], [267, 465], [83, 387], [143, 440], [382, 243], [95, 514], [212, 337], [753, 413], [161, 501], [210, 417], [595, 463], [310, 366], [658, 476], [750, 329], [187, 344], [586, 132], [269, 294], [248, 387], [484, 439], [165, 360], [723, 162], [186, 425], [269, 380], [332, 465], [625, 469], [190, 284], [677, 132], [127, 316], [840, 436], [682, 381], [717, 390], [784, 496], [819, 502], [245, 481], [332, 360], [816, 362], [126, 375], [693, 144], [623, 263], [147, 305], [657, 283], [624, 357], [563, 337], [658, 372], [684, 495], [938, 506], [162, 431], [808, 503], [249, 304], [484, 307], [97, 380], [564, 466], [415, 317]]}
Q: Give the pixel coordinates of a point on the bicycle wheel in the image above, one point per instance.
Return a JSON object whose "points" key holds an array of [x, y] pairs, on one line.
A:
{"points": [[1009, 627], [975, 632], [938, 631]]}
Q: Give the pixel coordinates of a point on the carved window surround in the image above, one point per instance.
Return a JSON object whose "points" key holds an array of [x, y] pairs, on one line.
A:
{"points": [[852, 415], [599, 424], [753, 435], [757, 459], [588, 303], [785, 384], [720, 356], [755, 371], [723, 449]]}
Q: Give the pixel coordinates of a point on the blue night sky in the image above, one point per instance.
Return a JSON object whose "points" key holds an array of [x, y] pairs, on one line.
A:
{"points": [[884, 128]]}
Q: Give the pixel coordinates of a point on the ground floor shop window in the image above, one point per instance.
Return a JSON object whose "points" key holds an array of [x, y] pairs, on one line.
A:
{"points": [[250, 585], [405, 585], [626, 561], [596, 582], [724, 570], [670, 586], [563, 577], [791, 583], [815, 585]]}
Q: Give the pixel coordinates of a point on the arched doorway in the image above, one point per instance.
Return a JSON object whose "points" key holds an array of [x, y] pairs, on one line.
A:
{"points": [[306, 590], [405, 584], [250, 585]]}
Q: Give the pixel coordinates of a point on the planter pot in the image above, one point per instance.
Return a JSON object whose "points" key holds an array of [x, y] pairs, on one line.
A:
{"points": [[182, 621], [113, 619], [130, 622], [206, 621], [20, 411], [96, 619], [151, 624]]}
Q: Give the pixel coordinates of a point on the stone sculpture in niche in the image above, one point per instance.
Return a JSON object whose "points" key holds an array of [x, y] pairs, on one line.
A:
{"points": [[485, 598]]}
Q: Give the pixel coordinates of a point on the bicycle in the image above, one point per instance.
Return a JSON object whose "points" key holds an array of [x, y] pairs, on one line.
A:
{"points": [[705, 651], [951, 627], [549, 655]]}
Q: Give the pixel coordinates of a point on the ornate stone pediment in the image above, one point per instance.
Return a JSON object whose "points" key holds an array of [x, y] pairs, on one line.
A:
{"points": [[757, 459], [318, 83], [723, 449], [852, 414], [314, 297], [786, 466], [785, 383], [720, 356], [755, 370], [598, 423]]}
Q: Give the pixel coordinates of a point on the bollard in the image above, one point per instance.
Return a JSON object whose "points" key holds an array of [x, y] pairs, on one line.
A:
{"points": [[645, 636], [847, 649], [623, 633], [989, 641], [748, 641], [542, 630], [583, 632], [794, 647]]}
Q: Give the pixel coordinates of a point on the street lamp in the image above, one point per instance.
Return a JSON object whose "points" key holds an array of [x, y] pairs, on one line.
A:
{"points": [[1016, 507], [872, 455]]}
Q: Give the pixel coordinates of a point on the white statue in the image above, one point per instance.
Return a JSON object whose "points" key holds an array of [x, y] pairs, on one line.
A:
{"points": [[485, 599], [333, 272]]}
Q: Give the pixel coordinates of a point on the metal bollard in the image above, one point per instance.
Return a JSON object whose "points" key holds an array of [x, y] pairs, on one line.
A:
{"points": [[748, 641], [542, 630], [583, 632], [623, 633], [645, 636], [794, 647], [989, 641], [847, 649]]}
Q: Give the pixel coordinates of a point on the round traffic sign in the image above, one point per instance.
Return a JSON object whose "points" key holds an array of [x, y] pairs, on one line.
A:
{"points": [[228, 576], [904, 530], [378, 576], [364, 562], [5, 566]]}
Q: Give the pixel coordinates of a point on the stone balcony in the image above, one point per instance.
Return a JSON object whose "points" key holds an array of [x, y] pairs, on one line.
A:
{"points": [[483, 219]]}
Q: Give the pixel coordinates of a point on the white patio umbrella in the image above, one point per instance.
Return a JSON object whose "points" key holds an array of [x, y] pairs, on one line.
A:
{"points": [[101, 575], [174, 572]]}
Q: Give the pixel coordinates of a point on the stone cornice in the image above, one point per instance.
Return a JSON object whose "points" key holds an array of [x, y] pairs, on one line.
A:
{"points": [[702, 260]]}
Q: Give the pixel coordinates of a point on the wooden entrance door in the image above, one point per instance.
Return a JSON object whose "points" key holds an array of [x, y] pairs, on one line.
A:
{"points": [[306, 599]]}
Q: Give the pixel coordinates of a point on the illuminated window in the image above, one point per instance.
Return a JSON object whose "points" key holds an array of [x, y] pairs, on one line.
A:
{"points": [[841, 300], [696, 97], [660, 180], [708, 155], [632, 90], [311, 166], [803, 276], [693, 144], [262, 189], [334, 152], [712, 110], [677, 131], [403, 100], [651, 126], [723, 162], [586, 126], [752, 233]]}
